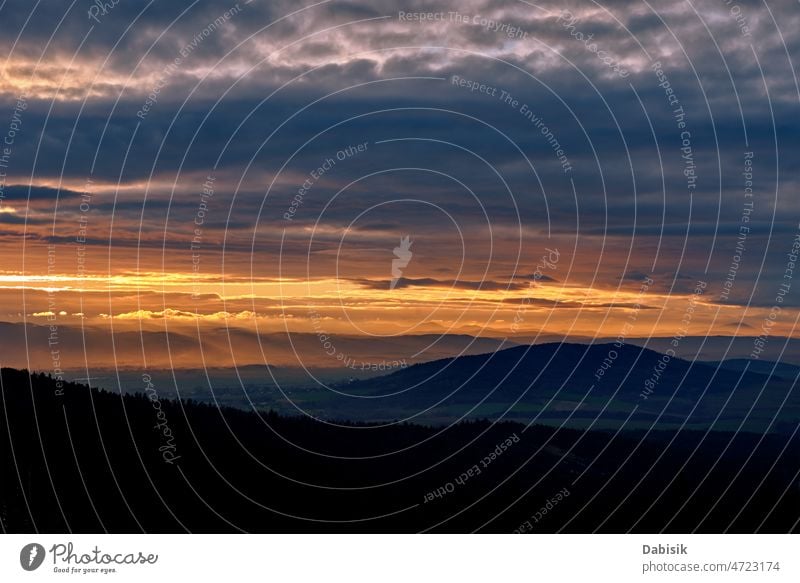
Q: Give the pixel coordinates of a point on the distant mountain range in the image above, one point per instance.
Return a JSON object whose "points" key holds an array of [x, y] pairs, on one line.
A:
{"points": [[28, 346], [601, 385], [440, 379], [765, 367], [182, 348]]}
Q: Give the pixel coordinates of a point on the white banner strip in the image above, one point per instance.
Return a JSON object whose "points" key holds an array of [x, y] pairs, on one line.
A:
{"points": [[398, 558]]}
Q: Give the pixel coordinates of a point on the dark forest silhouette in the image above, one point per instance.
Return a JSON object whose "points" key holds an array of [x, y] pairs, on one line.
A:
{"points": [[88, 460]]}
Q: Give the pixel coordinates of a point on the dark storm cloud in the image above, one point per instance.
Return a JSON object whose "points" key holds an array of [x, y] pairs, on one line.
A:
{"points": [[534, 277], [556, 304], [405, 282]]}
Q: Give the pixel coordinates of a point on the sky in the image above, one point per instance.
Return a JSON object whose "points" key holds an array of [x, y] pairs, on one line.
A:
{"points": [[218, 172]]}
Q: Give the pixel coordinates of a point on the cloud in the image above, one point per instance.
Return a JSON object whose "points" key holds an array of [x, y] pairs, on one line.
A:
{"points": [[405, 282], [263, 98]]}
